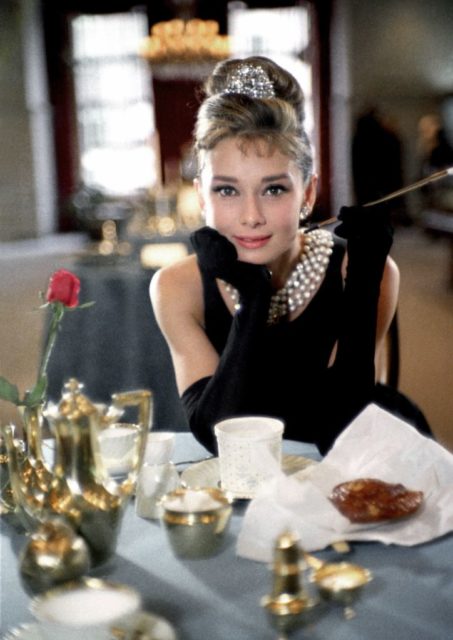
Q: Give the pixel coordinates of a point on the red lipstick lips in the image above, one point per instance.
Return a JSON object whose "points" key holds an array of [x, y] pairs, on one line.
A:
{"points": [[248, 242]]}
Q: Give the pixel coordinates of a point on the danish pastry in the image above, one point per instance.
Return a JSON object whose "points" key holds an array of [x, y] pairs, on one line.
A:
{"points": [[370, 500]]}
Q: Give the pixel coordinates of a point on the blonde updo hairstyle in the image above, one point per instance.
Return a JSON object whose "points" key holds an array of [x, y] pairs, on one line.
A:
{"points": [[278, 120]]}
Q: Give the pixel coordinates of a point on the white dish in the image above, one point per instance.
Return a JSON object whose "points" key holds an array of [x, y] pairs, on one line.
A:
{"points": [[207, 473], [155, 627]]}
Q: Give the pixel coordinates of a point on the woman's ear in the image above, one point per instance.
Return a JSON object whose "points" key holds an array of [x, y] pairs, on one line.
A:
{"points": [[310, 192]]}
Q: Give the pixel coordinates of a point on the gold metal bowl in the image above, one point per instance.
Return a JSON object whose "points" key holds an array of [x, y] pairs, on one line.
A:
{"points": [[341, 581], [196, 531]]}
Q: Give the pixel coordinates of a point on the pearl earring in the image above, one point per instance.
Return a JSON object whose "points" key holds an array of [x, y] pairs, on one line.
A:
{"points": [[304, 213]]}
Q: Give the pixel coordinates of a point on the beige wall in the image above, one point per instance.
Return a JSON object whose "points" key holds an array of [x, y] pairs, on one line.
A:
{"points": [[27, 182], [16, 189]]}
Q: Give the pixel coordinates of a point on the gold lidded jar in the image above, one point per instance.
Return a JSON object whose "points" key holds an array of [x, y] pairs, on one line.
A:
{"points": [[53, 554]]}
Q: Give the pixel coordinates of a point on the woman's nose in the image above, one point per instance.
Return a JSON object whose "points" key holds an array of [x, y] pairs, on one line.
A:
{"points": [[251, 213]]}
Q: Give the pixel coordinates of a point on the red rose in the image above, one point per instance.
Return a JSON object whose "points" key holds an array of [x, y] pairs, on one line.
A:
{"points": [[64, 287]]}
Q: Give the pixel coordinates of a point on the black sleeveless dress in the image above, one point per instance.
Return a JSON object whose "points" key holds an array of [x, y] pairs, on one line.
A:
{"points": [[293, 357], [289, 376]]}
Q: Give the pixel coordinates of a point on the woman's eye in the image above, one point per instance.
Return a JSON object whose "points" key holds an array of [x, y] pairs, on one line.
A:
{"points": [[276, 189], [225, 190]]}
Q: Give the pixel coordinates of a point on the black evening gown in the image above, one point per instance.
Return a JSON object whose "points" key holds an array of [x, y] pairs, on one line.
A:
{"points": [[290, 377]]}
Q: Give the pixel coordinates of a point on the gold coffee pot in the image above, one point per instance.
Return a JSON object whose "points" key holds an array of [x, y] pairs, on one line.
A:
{"points": [[79, 487]]}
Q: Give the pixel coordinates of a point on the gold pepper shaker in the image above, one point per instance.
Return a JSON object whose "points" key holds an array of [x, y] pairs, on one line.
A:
{"points": [[289, 604]]}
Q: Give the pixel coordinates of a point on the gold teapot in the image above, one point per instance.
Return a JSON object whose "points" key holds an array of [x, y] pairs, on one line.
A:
{"points": [[76, 486]]}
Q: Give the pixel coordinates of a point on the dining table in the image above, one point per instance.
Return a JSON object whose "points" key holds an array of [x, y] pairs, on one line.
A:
{"points": [[219, 598]]}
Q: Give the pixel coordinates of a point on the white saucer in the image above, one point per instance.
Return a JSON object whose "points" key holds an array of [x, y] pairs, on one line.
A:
{"points": [[207, 473], [154, 626]]}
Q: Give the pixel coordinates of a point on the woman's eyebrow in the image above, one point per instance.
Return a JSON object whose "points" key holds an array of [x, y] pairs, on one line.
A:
{"points": [[279, 176], [225, 178]]}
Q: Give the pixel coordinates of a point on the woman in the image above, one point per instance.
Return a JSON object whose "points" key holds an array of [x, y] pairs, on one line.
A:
{"points": [[264, 318]]}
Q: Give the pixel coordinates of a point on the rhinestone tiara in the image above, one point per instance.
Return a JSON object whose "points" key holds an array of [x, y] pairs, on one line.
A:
{"points": [[250, 80]]}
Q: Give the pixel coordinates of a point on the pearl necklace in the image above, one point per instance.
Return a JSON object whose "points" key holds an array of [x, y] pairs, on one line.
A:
{"points": [[303, 281]]}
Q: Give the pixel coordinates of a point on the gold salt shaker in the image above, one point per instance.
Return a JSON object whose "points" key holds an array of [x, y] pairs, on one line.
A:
{"points": [[289, 605]]}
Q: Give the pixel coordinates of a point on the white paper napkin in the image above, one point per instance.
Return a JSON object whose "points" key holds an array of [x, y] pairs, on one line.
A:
{"points": [[375, 445]]}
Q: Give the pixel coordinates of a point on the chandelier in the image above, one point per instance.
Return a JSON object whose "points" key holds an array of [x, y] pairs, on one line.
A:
{"points": [[179, 41]]}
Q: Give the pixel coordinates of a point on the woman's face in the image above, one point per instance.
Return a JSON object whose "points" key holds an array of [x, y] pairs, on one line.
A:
{"points": [[253, 196]]}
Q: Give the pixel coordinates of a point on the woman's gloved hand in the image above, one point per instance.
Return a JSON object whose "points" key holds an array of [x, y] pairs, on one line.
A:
{"points": [[226, 392], [369, 224], [218, 257]]}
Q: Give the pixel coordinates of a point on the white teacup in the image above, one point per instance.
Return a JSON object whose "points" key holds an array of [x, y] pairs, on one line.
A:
{"points": [[91, 609], [159, 447], [250, 450], [119, 446]]}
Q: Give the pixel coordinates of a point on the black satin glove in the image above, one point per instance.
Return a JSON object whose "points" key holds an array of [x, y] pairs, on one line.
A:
{"points": [[367, 224], [351, 379], [218, 257], [225, 393]]}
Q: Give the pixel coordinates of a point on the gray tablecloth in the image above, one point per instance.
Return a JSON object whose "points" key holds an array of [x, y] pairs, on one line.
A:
{"points": [[116, 345], [218, 598]]}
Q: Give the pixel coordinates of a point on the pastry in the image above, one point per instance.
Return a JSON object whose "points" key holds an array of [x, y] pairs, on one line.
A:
{"points": [[370, 500]]}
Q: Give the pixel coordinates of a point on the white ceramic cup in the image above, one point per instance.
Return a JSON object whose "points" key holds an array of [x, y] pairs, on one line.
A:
{"points": [[159, 447], [250, 450], [91, 609], [119, 446]]}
